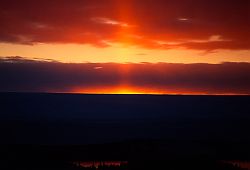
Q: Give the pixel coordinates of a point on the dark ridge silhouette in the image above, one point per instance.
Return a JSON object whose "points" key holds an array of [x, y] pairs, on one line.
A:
{"points": [[54, 131], [32, 157]]}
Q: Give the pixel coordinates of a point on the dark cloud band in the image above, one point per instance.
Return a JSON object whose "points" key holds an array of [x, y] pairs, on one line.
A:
{"points": [[18, 74]]}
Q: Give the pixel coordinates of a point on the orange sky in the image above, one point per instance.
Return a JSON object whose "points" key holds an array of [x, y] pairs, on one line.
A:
{"points": [[131, 31], [126, 31], [78, 53]]}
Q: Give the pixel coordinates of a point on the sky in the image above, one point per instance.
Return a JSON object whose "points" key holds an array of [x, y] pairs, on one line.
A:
{"points": [[205, 44]]}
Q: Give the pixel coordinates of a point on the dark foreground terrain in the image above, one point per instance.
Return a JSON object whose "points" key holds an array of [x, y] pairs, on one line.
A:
{"points": [[67, 131]]}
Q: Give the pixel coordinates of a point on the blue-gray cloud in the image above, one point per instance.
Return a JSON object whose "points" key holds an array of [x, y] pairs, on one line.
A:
{"points": [[18, 74]]}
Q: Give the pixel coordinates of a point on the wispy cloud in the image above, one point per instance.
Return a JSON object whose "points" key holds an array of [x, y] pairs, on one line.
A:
{"points": [[109, 21]]}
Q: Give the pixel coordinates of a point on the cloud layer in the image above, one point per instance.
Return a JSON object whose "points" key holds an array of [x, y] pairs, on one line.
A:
{"points": [[19, 74], [193, 24]]}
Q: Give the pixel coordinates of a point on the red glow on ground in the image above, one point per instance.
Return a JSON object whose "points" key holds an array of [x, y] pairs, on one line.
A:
{"points": [[97, 164], [241, 164]]}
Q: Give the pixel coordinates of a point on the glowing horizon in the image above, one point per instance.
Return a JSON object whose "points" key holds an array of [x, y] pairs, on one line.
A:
{"points": [[122, 31], [130, 45], [120, 54]]}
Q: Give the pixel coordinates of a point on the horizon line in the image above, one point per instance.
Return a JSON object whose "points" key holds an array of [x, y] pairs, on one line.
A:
{"points": [[127, 94]]}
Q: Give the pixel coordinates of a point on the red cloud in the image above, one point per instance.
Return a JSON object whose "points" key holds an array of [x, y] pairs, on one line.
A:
{"points": [[63, 21]]}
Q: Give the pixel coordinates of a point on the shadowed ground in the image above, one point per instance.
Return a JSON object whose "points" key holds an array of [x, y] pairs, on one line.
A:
{"points": [[54, 130]]}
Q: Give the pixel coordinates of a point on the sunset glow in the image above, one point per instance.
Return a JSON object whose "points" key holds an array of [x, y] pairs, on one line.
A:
{"points": [[125, 84], [145, 33], [117, 90]]}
